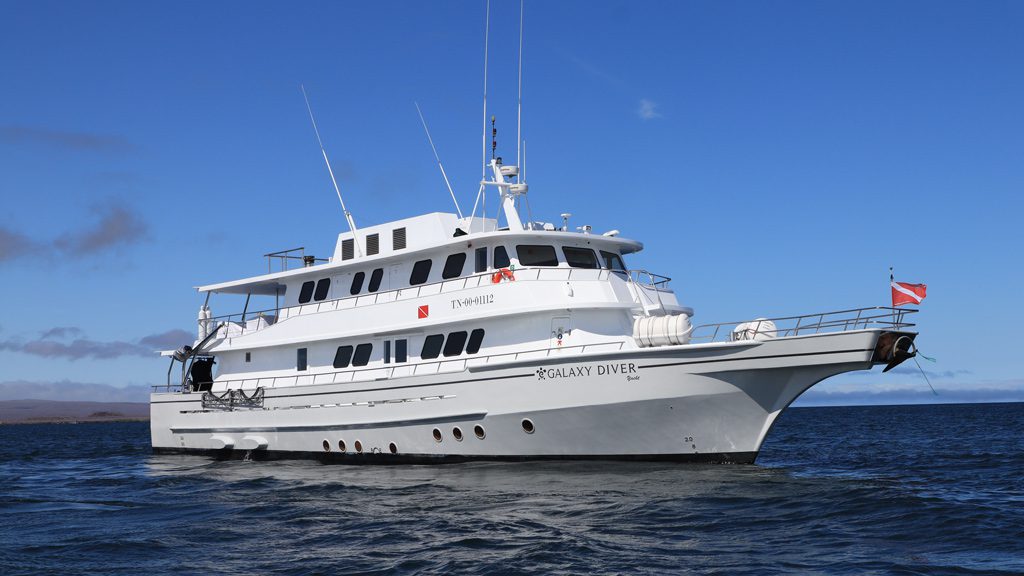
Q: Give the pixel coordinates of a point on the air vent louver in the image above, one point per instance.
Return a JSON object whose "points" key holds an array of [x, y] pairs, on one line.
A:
{"points": [[348, 249], [372, 244], [398, 239]]}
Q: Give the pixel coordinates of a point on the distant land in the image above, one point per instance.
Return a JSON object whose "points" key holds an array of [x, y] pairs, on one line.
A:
{"points": [[44, 411]]}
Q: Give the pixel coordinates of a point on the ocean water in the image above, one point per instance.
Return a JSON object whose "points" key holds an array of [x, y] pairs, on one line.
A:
{"points": [[906, 490]]}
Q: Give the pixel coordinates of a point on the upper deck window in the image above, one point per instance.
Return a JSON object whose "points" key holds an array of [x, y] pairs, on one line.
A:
{"points": [[357, 283], [306, 294], [362, 355], [501, 257], [432, 346], [613, 261], [456, 343], [481, 260], [420, 272], [536, 255], [375, 277], [476, 337], [580, 257], [453, 266], [322, 287], [343, 356]]}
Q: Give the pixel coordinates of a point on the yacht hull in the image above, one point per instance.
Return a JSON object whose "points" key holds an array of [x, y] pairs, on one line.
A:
{"points": [[693, 403]]}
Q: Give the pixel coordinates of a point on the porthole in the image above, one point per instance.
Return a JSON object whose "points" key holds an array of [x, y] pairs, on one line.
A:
{"points": [[457, 434], [393, 448], [437, 435], [479, 431], [341, 445], [359, 446], [528, 426], [327, 445]]}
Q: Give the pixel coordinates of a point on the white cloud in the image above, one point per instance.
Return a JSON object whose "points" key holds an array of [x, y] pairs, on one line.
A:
{"points": [[648, 109]]}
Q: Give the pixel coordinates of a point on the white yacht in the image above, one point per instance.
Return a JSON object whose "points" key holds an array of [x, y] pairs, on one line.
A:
{"points": [[439, 338]]}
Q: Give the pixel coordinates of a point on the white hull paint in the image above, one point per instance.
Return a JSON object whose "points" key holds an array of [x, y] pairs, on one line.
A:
{"points": [[704, 402]]}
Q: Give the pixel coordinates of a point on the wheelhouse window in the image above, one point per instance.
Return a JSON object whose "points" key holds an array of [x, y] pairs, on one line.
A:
{"points": [[300, 360], [401, 350], [343, 356], [455, 344], [375, 277], [420, 272], [481, 260], [323, 286], [476, 337], [580, 257], [613, 261], [306, 293], [432, 346], [361, 357], [357, 283], [453, 266], [501, 257], [536, 255]]}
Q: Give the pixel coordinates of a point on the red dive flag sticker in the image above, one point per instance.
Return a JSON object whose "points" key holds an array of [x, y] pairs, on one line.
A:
{"points": [[424, 311], [906, 293]]}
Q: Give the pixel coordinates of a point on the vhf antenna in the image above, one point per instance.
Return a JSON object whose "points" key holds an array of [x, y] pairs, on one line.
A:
{"points": [[434, 148], [519, 100], [348, 215], [483, 135]]}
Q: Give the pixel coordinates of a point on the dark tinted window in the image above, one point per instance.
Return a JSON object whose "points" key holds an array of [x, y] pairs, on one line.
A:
{"points": [[580, 257], [432, 346], [456, 342], [476, 337], [362, 355], [322, 287], [343, 356], [375, 278], [481, 259], [401, 350], [387, 351], [453, 266], [534, 255], [420, 272], [300, 360], [612, 261], [306, 294], [501, 257], [357, 283]]}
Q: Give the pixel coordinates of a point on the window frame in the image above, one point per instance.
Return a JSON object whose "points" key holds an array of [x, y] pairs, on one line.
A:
{"points": [[522, 249], [323, 289], [306, 292], [362, 354], [451, 339], [376, 277], [301, 359], [566, 250], [357, 283], [434, 351], [349, 349], [418, 268], [448, 274], [476, 338]]}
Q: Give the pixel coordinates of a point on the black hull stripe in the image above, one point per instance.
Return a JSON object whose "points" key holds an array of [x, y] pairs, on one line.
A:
{"points": [[395, 459], [532, 374]]}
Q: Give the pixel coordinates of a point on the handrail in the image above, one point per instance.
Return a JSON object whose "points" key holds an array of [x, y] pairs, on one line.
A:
{"points": [[393, 367], [838, 321], [283, 256]]}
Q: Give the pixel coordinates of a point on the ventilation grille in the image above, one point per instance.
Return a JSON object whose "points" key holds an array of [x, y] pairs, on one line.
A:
{"points": [[372, 244], [398, 239], [348, 249]]}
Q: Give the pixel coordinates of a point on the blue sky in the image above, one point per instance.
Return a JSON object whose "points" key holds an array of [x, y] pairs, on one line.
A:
{"points": [[775, 158]]}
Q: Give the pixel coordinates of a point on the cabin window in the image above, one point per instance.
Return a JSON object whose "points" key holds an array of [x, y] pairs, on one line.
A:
{"points": [[613, 261], [501, 257], [420, 272], [248, 356], [455, 344], [361, 357], [535, 255], [343, 356], [300, 360], [580, 257], [357, 283], [481, 260], [375, 278], [453, 266], [398, 239], [387, 351], [372, 244], [476, 337], [323, 286], [432, 346], [401, 350], [306, 294]]}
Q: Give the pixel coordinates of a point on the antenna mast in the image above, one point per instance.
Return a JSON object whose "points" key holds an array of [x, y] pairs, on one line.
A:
{"points": [[348, 215], [483, 135], [432, 147], [519, 99]]}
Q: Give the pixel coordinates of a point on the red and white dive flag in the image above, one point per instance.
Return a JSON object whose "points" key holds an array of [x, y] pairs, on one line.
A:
{"points": [[906, 293]]}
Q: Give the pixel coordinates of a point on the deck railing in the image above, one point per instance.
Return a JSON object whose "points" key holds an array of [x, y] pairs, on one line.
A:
{"points": [[840, 321]]}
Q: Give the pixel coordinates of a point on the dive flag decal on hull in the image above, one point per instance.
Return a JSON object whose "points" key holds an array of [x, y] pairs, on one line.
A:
{"points": [[423, 311]]}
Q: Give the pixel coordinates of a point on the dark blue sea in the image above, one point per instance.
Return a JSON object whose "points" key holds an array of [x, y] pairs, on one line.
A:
{"points": [[864, 490]]}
